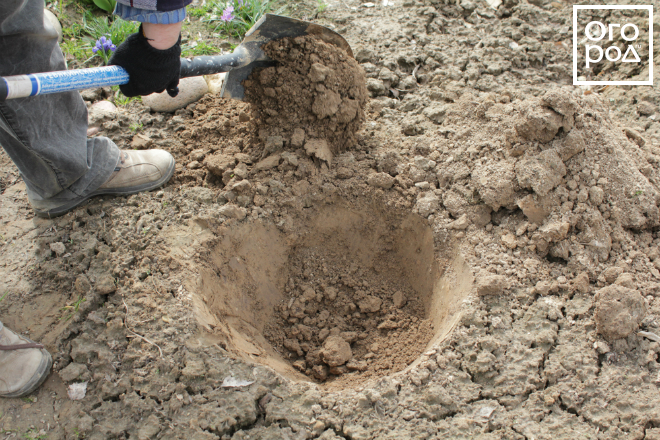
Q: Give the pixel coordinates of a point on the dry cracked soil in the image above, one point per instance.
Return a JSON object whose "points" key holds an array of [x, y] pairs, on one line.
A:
{"points": [[440, 239]]}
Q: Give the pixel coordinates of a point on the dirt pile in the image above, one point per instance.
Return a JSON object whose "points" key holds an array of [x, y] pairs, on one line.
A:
{"points": [[313, 99]]}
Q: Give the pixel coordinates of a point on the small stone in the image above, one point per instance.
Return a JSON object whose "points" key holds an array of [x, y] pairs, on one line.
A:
{"points": [[388, 325], [101, 112], [243, 186], [354, 365], [105, 285], [219, 163], [370, 304], [611, 274], [74, 371], [293, 345], [581, 283], [82, 285], [349, 336], [646, 108], [318, 72], [596, 195], [215, 82], [380, 180], [318, 148], [141, 142], [619, 311], [489, 284], [625, 280], [233, 211], [427, 204], [509, 240], [51, 18], [336, 351], [298, 138], [399, 299], [190, 90], [58, 248], [320, 372], [268, 163], [460, 223]]}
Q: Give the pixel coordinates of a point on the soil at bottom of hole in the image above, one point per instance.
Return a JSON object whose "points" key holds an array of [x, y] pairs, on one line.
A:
{"points": [[341, 319]]}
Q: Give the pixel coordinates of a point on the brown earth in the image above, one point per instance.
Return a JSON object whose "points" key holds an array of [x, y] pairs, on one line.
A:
{"points": [[314, 98], [534, 205]]}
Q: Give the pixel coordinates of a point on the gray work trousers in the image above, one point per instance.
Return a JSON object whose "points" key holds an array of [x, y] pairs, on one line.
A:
{"points": [[46, 136]]}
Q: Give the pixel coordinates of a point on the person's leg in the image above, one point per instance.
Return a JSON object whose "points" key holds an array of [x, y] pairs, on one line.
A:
{"points": [[46, 136], [24, 365]]}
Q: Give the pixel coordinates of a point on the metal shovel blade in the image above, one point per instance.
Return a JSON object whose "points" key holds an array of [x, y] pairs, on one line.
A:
{"points": [[240, 63], [249, 55]]}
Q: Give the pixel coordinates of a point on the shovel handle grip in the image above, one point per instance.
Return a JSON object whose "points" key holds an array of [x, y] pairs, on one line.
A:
{"points": [[21, 86]]}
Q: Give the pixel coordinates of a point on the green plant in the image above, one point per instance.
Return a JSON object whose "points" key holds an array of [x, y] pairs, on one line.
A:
{"points": [[320, 6], [33, 434], [197, 48], [123, 100], [117, 30], [106, 5], [73, 308], [236, 17], [3, 296], [135, 126]]}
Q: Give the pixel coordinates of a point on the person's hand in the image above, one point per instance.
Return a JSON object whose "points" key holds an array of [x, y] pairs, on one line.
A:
{"points": [[150, 69]]}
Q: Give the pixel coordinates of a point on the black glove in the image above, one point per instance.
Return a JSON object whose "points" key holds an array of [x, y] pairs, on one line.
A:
{"points": [[150, 69]]}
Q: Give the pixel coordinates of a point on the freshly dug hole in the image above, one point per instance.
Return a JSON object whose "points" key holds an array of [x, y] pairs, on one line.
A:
{"points": [[314, 98], [341, 293]]}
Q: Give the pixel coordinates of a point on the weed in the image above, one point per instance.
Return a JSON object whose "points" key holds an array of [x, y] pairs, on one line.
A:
{"points": [[320, 6], [28, 399], [117, 30], [136, 126], [638, 193], [201, 10], [73, 308], [236, 17], [197, 48], [123, 100], [106, 5], [3, 296], [33, 434]]}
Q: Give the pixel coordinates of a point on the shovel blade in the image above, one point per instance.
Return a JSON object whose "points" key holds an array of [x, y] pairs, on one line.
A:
{"points": [[269, 28]]}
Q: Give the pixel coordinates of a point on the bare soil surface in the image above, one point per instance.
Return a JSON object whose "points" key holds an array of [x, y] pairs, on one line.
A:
{"points": [[490, 236]]}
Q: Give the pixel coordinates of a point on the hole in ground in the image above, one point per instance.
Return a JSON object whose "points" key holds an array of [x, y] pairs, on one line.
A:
{"points": [[339, 293]]}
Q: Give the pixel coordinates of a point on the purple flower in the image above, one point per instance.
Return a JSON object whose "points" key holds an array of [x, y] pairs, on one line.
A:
{"points": [[227, 14], [104, 44]]}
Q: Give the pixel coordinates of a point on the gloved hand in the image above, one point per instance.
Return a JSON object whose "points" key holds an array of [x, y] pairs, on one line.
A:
{"points": [[150, 69]]}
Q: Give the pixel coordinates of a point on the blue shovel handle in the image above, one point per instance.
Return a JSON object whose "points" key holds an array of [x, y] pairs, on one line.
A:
{"points": [[21, 86]]}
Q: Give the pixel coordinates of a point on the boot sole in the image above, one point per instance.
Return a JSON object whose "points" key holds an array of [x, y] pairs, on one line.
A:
{"points": [[66, 207], [40, 376]]}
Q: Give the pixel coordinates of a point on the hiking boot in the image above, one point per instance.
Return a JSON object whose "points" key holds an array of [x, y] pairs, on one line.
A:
{"points": [[135, 172], [24, 364]]}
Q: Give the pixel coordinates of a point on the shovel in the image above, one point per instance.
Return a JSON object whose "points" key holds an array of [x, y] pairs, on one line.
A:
{"points": [[239, 64]]}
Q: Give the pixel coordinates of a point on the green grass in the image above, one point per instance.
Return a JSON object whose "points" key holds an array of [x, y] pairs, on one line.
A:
{"points": [[117, 30], [73, 308], [3, 296], [246, 14], [123, 100], [197, 48]]}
